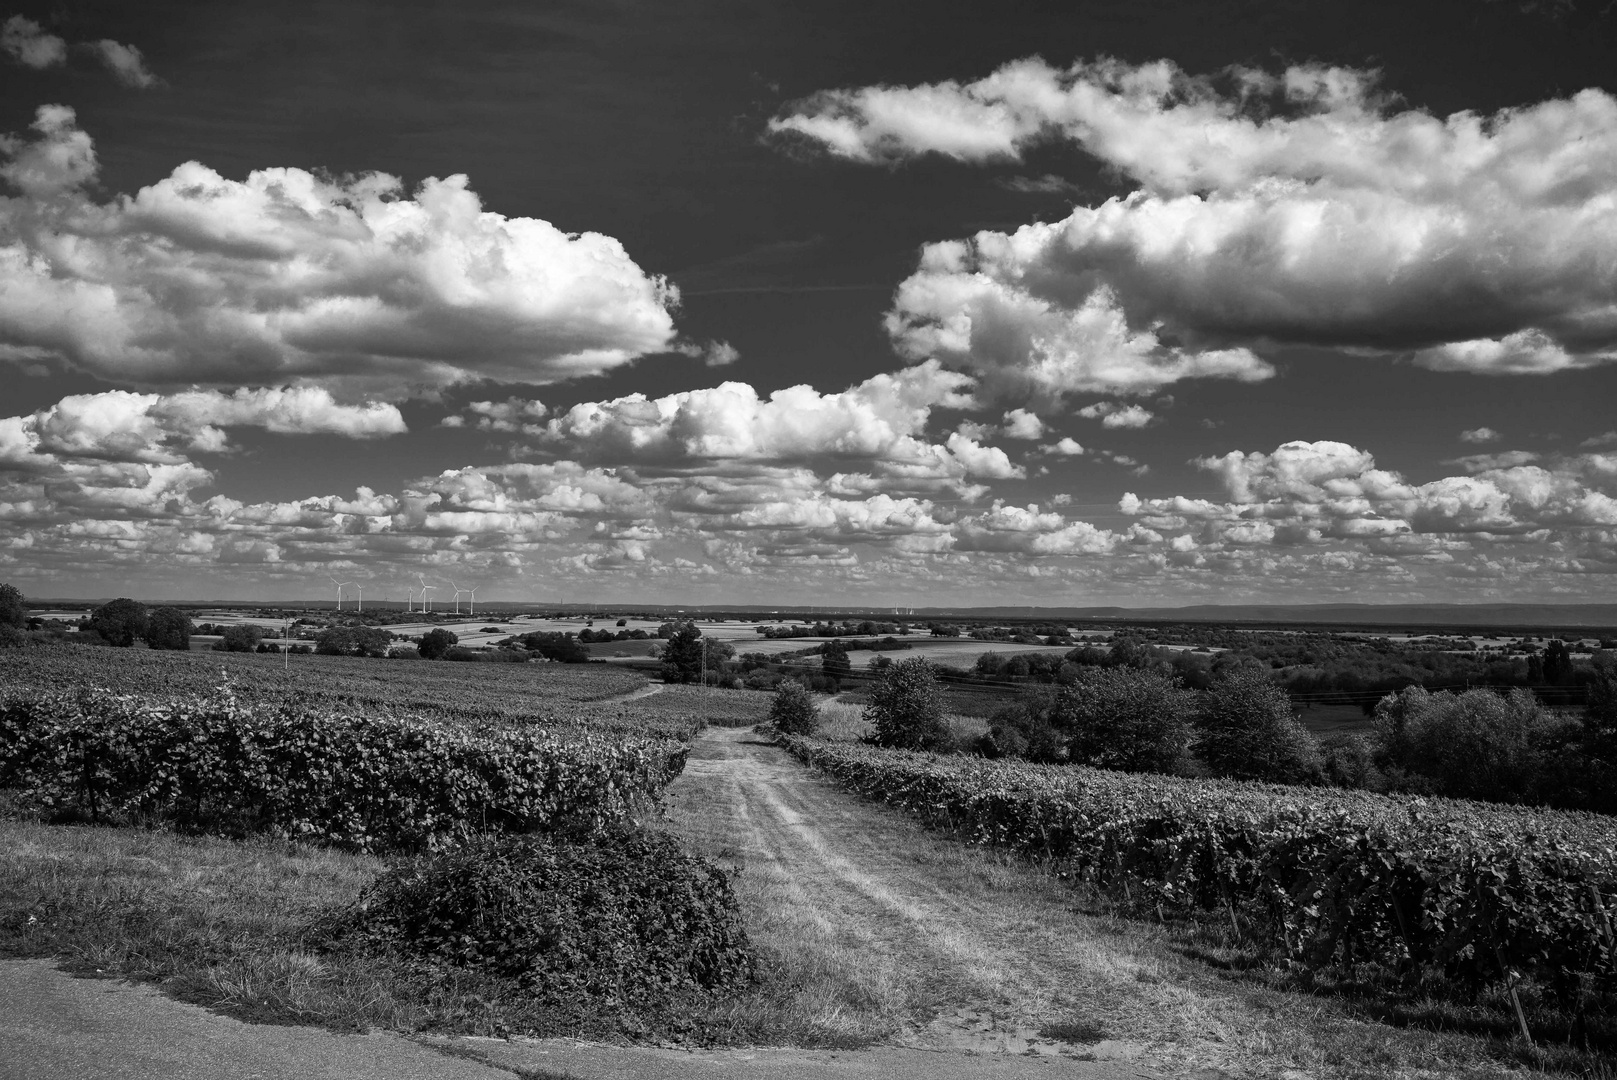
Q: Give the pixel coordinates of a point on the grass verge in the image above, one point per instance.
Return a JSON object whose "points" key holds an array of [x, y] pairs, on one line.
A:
{"points": [[228, 925]]}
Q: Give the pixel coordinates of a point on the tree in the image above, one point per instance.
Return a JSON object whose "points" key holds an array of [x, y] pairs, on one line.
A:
{"points": [[682, 656], [354, 641], [168, 628], [243, 637], [1247, 731], [835, 662], [792, 711], [1557, 662], [119, 622], [1474, 745], [13, 608], [906, 707], [436, 642], [1131, 719]]}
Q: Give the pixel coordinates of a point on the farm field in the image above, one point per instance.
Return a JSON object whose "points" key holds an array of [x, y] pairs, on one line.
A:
{"points": [[872, 926]]}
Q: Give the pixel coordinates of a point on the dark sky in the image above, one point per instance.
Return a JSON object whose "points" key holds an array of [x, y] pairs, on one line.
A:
{"points": [[646, 123]]}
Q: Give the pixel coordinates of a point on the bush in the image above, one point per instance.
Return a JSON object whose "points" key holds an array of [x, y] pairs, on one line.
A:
{"points": [[625, 918], [792, 711], [1247, 731], [403, 652], [906, 707], [243, 637], [209, 764]]}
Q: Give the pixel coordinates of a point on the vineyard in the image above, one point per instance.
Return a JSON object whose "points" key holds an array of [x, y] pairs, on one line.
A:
{"points": [[1359, 886], [549, 695]]}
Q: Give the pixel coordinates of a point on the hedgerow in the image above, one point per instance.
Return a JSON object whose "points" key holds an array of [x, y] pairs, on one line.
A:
{"points": [[622, 919], [1424, 889], [375, 783]]}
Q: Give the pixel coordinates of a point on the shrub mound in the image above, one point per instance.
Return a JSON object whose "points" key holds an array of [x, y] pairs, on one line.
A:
{"points": [[374, 783], [625, 919]]}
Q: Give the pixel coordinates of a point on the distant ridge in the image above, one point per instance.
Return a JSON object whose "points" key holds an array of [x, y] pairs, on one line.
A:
{"points": [[1598, 616]]}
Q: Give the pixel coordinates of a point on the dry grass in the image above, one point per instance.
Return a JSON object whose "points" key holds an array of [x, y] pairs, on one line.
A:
{"points": [[844, 721]]}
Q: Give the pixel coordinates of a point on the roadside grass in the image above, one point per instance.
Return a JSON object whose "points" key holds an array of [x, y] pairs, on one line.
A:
{"points": [[235, 926]]}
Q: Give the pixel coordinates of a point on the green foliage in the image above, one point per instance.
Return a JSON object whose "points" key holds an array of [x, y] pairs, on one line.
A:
{"points": [[436, 642], [243, 637], [682, 656], [906, 707], [1330, 880], [622, 918], [835, 663], [212, 764], [1127, 718], [353, 640], [792, 710], [168, 628], [1473, 745], [13, 608], [119, 622], [553, 645], [1246, 730]]}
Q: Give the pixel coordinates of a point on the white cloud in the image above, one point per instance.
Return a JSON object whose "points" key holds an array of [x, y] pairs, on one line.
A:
{"points": [[1298, 208], [1064, 447], [1480, 435], [1032, 532], [30, 45], [1114, 415], [881, 420], [1304, 492], [118, 425], [510, 415], [1025, 347], [125, 62], [286, 275], [1021, 424], [713, 353]]}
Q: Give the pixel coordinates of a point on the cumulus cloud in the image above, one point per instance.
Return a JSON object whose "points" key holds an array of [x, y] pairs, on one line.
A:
{"points": [[1021, 424], [1480, 435], [510, 415], [125, 62], [287, 275], [1027, 347], [118, 425], [30, 45], [1032, 532], [1304, 492], [1302, 207], [1064, 447], [881, 421], [1112, 414]]}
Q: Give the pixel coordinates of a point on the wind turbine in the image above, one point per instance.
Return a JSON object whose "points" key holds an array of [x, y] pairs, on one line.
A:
{"points": [[339, 585], [458, 591], [471, 606], [426, 601]]}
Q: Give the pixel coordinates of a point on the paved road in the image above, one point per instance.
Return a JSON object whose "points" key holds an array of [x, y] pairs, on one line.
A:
{"points": [[53, 1027]]}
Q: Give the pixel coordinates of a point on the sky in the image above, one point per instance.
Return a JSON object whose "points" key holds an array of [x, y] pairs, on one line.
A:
{"points": [[829, 303]]}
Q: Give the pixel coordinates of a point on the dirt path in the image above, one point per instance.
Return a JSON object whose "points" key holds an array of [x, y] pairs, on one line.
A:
{"points": [[950, 948], [633, 695]]}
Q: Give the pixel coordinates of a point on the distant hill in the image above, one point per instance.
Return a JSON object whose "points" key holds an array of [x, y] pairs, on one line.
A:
{"points": [[1522, 616]]}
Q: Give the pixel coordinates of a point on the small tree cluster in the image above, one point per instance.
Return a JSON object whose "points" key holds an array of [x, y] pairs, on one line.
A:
{"points": [[906, 707]]}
